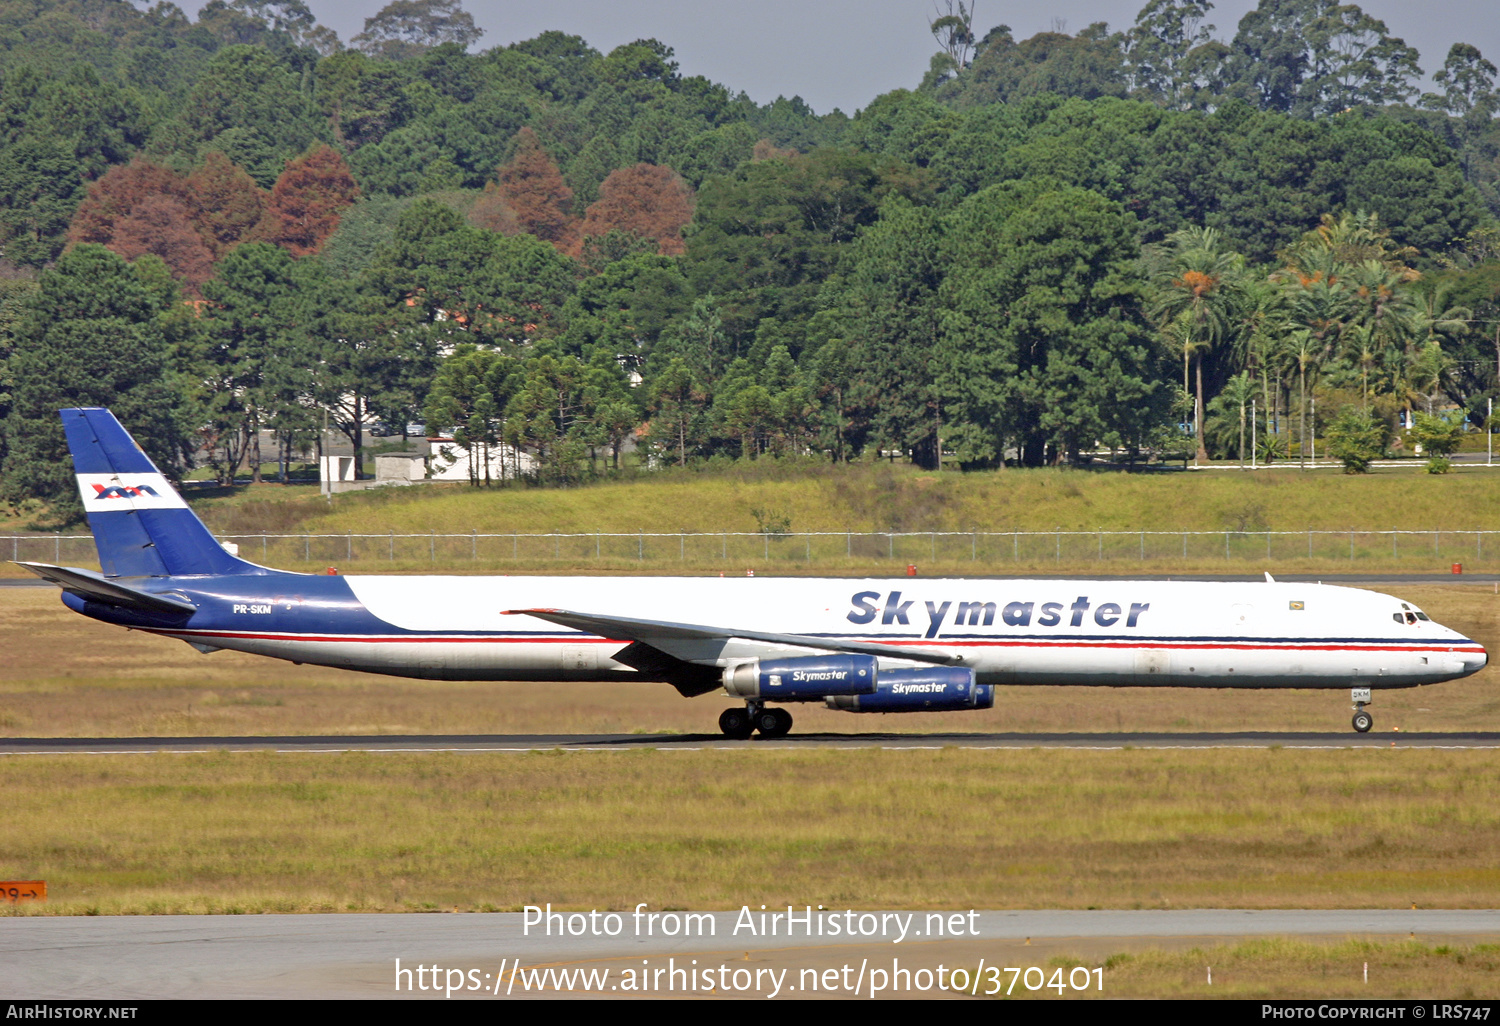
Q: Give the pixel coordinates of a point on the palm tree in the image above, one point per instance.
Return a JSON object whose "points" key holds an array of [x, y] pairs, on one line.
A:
{"points": [[1262, 322], [1361, 347], [1424, 360], [1302, 353], [1233, 400], [1197, 294]]}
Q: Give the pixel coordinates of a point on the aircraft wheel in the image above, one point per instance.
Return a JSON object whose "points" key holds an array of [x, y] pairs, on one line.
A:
{"points": [[773, 723], [767, 722], [735, 723], [1363, 722]]}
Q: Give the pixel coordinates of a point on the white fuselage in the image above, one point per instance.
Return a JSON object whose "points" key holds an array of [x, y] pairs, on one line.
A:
{"points": [[1109, 632]]}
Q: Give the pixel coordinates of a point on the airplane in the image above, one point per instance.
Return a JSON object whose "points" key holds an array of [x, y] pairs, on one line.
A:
{"points": [[862, 646]]}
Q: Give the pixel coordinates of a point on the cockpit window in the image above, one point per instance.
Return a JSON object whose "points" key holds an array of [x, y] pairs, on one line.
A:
{"points": [[1411, 618], [1423, 616], [1397, 618]]}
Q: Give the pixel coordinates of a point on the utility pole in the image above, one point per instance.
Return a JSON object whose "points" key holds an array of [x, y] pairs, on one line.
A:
{"points": [[1252, 434]]}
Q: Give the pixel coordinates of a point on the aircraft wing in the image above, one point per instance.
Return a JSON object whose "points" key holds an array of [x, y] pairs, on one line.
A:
{"points": [[102, 589], [665, 636]]}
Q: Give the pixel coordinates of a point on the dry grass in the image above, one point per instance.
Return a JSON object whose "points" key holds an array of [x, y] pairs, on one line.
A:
{"points": [[886, 498], [716, 829], [881, 498], [803, 499], [67, 676], [1285, 969]]}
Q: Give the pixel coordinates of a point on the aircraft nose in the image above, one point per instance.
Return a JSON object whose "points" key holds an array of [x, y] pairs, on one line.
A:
{"points": [[1475, 661]]}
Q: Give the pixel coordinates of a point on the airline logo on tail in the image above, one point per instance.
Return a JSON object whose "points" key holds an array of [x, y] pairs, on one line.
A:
{"points": [[123, 491], [104, 493]]}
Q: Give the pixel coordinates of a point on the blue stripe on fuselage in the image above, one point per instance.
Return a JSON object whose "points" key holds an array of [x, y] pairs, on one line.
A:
{"points": [[276, 603]]}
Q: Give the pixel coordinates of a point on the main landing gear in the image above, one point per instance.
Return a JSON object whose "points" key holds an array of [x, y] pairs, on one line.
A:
{"points": [[741, 723], [1362, 720]]}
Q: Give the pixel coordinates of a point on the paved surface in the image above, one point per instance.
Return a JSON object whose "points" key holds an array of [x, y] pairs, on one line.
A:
{"points": [[699, 742], [355, 955]]}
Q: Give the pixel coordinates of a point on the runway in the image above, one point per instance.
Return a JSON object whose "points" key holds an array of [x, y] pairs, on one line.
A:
{"points": [[701, 742], [354, 956]]}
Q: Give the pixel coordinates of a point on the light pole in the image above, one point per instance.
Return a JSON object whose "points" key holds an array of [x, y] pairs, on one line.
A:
{"points": [[1252, 434]]}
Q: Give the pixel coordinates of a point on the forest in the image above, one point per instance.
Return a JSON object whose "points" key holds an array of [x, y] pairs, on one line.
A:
{"points": [[1116, 244]]}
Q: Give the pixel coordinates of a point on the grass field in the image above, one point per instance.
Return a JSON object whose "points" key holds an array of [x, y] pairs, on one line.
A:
{"points": [[719, 829], [783, 507], [1283, 969], [882, 497]]}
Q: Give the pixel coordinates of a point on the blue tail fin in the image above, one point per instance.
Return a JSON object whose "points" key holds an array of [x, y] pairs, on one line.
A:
{"points": [[142, 527]]}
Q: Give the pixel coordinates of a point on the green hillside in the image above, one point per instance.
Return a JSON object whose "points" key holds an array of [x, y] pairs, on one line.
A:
{"points": [[864, 498]]}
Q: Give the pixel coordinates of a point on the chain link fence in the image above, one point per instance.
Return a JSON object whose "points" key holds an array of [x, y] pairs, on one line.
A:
{"points": [[728, 549]]}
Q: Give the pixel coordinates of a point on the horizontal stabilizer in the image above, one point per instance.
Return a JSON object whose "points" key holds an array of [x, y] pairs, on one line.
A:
{"points": [[661, 634], [100, 589]]}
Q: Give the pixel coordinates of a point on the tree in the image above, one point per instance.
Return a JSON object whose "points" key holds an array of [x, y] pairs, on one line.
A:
{"points": [[533, 189], [1088, 65], [470, 392], [119, 191], [161, 225], [1198, 290], [894, 320], [227, 204], [146, 207], [251, 107], [1168, 50], [646, 201], [766, 238], [1044, 346], [92, 335], [40, 187], [954, 31], [675, 400], [370, 357], [1438, 435], [549, 414], [1312, 57], [614, 415], [471, 283], [307, 201], [253, 324], [407, 28], [1469, 98], [1227, 413], [1356, 438], [624, 308]]}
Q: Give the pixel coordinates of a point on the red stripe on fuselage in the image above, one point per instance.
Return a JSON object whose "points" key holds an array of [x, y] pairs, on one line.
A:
{"points": [[1310, 646]]}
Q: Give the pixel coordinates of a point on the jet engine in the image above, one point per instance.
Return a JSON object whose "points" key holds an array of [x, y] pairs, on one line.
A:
{"points": [[807, 679], [930, 689]]}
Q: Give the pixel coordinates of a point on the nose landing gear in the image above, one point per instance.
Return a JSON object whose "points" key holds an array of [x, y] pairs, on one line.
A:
{"points": [[1363, 721], [739, 724]]}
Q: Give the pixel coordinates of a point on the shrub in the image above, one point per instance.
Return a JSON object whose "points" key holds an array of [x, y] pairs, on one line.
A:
{"points": [[1355, 438]]}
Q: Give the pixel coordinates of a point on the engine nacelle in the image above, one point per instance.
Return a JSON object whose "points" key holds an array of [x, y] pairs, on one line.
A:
{"points": [[930, 689], [806, 679]]}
